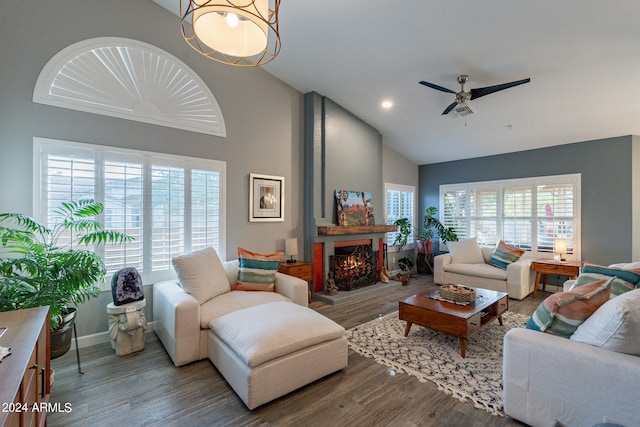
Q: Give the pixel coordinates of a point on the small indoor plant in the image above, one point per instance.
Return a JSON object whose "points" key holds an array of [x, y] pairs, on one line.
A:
{"points": [[404, 231], [432, 224], [42, 266]]}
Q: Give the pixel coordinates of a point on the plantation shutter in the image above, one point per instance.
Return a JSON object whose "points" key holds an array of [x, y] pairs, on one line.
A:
{"points": [[555, 215], [483, 209], [516, 216], [167, 215], [66, 176], [171, 205], [400, 204], [454, 212], [529, 213], [205, 209], [124, 210]]}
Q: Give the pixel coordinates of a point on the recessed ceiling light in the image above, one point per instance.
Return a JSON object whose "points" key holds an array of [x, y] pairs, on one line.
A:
{"points": [[387, 104]]}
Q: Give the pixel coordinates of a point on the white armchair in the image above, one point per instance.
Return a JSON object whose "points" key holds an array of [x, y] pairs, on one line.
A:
{"points": [[517, 280]]}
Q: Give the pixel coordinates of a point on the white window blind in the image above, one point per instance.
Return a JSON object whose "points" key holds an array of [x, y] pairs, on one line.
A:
{"points": [[516, 216], [167, 213], [555, 215], [400, 204], [170, 204], [483, 216], [123, 211], [528, 213], [455, 211], [205, 209]]}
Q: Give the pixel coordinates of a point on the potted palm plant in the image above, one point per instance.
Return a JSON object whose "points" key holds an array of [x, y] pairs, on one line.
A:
{"points": [[42, 266]]}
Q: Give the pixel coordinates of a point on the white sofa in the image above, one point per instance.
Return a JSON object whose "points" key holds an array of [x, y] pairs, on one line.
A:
{"points": [[591, 377], [547, 378], [517, 280], [265, 344]]}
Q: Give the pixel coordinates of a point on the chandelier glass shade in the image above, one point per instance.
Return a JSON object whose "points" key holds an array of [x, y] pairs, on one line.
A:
{"points": [[240, 32]]}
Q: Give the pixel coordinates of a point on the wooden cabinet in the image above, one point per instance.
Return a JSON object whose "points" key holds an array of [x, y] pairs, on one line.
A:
{"points": [[300, 269], [25, 373]]}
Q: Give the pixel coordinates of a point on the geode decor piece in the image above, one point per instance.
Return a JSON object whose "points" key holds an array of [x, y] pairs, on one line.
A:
{"points": [[126, 286]]}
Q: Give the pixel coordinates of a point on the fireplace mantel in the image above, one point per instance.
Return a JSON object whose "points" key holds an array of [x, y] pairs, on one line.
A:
{"points": [[343, 230]]}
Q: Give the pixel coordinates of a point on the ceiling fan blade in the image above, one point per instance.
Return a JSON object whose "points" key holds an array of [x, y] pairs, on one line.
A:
{"points": [[436, 87], [482, 91], [449, 108]]}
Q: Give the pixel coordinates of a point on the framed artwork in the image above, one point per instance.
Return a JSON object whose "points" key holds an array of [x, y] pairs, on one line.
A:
{"points": [[354, 207], [266, 198]]}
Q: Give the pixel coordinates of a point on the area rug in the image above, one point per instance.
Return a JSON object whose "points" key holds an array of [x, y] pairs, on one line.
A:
{"points": [[434, 356]]}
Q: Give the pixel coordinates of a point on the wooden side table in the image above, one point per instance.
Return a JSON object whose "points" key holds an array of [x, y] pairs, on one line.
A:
{"points": [[300, 269], [549, 266]]}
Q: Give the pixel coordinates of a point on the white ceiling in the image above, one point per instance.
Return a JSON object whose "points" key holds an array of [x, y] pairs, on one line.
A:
{"points": [[583, 58]]}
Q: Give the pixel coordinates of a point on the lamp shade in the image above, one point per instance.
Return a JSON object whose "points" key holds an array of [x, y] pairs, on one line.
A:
{"points": [[291, 247], [560, 246], [236, 31]]}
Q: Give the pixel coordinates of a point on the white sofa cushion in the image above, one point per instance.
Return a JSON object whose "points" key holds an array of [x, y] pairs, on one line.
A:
{"points": [[477, 270], [232, 301], [627, 265], [201, 274], [465, 251], [614, 326], [268, 331]]}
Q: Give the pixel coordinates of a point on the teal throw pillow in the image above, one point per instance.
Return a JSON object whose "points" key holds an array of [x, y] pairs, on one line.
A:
{"points": [[504, 254], [624, 280], [562, 313]]}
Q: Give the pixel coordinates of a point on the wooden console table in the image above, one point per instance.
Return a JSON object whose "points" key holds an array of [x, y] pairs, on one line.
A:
{"points": [[300, 269], [549, 266], [25, 373]]}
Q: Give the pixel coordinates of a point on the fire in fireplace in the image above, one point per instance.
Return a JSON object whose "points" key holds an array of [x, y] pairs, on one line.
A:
{"points": [[354, 266]]}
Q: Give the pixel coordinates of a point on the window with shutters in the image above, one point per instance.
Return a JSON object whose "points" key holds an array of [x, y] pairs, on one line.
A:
{"points": [[527, 213], [170, 204], [399, 203]]}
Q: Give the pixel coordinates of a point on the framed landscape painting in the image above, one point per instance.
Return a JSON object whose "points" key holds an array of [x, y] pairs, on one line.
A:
{"points": [[266, 198], [354, 207]]}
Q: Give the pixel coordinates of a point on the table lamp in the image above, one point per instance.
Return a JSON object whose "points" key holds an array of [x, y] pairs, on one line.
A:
{"points": [[291, 249], [559, 249]]}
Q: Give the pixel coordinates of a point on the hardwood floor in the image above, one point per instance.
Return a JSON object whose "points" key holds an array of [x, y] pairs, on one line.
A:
{"points": [[145, 389]]}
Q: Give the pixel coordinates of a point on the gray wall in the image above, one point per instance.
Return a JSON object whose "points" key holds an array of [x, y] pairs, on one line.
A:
{"points": [[606, 166], [347, 155], [344, 152]]}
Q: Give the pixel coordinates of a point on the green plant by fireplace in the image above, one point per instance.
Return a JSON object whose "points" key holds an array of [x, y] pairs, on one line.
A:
{"points": [[430, 226]]}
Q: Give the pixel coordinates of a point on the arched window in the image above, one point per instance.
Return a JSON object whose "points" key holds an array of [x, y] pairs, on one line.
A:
{"points": [[132, 80]]}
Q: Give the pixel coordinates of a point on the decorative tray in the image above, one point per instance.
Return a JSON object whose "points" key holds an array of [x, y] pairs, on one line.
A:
{"points": [[457, 293]]}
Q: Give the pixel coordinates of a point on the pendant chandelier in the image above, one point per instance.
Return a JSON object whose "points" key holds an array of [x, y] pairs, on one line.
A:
{"points": [[240, 32]]}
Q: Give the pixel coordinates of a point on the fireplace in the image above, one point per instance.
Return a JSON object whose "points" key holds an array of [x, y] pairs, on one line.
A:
{"points": [[354, 264]]}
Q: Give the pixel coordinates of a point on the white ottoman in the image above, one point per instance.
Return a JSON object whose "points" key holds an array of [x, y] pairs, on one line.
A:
{"points": [[127, 324], [269, 350]]}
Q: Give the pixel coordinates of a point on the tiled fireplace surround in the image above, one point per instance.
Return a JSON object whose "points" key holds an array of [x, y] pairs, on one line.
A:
{"points": [[325, 249]]}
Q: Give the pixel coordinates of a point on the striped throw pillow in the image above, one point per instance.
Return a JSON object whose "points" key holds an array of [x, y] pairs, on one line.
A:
{"points": [[504, 254], [562, 313], [624, 280], [257, 271]]}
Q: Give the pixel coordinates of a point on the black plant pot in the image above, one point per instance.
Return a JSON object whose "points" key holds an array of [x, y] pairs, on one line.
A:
{"points": [[61, 337]]}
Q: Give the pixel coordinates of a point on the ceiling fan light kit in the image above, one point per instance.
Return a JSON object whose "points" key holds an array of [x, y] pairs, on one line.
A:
{"points": [[460, 106], [462, 110], [241, 33]]}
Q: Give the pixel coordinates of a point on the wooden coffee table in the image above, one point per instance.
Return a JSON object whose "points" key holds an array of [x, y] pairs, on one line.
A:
{"points": [[460, 321]]}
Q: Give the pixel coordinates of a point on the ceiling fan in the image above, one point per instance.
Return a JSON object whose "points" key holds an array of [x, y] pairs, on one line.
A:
{"points": [[460, 105]]}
